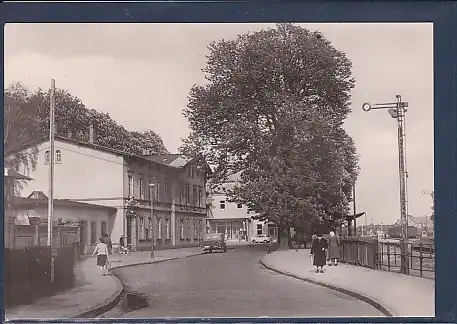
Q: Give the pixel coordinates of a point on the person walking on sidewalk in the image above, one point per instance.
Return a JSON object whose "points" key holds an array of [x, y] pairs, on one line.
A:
{"points": [[101, 250], [109, 244], [333, 248], [318, 251]]}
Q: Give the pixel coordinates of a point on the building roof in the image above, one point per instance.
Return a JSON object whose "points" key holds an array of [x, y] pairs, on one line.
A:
{"points": [[171, 160], [37, 195], [168, 159], [23, 202]]}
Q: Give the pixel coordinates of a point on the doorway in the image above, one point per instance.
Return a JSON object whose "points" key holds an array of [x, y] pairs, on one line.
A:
{"points": [[82, 236], [129, 230]]}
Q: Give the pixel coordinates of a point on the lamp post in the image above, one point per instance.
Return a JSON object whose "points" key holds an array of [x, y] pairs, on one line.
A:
{"points": [[397, 111], [151, 228]]}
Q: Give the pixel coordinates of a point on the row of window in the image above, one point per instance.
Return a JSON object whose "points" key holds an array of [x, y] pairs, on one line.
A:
{"points": [[162, 229], [197, 195], [156, 191], [185, 229], [58, 157], [153, 191], [222, 205]]}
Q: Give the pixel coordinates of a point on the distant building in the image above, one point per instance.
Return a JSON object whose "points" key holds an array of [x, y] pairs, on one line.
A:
{"points": [[87, 172], [235, 220]]}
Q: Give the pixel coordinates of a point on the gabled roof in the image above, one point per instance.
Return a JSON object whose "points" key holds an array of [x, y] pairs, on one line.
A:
{"points": [[167, 159], [171, 160], [37, 195]]}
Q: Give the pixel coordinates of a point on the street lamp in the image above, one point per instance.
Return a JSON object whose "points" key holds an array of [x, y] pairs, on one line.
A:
{"points": [[151, 228], [397, 111]]}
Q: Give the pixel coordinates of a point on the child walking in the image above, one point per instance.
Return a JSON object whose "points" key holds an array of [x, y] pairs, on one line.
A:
{"points": [[101, 250]]}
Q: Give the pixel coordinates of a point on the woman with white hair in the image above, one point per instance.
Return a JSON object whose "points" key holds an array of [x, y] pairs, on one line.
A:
{"points": [[333, 248]]}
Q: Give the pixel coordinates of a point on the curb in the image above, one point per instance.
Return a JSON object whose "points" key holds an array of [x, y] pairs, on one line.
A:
{"points": [[351, 293], [114, 299]]}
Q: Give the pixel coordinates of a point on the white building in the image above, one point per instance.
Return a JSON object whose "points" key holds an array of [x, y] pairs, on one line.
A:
{"points": [[235, 220], [89, 173]]}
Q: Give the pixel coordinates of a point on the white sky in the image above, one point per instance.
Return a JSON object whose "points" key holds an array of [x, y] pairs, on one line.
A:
{"points": [[141, 75]]}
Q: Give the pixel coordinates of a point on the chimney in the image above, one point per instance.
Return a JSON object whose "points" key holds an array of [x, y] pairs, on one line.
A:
{"points": [[91, 133]]}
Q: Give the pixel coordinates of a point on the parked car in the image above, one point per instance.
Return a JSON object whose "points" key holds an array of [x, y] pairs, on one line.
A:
{"points": [[262, 238], [214, 242]]}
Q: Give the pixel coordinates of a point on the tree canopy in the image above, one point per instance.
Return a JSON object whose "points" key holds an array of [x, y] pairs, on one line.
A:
{"points": [[273, 109], [27, 118]]}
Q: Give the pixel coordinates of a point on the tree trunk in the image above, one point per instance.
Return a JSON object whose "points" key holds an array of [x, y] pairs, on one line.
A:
{"points": [[283, 238]]}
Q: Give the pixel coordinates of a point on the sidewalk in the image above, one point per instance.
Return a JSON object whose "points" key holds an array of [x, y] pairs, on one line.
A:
{"points": [[392, 293], [93, 291]]}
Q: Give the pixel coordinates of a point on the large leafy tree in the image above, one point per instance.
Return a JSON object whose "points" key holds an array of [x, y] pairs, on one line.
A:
{"points": [[26, 118], [273, 108]]}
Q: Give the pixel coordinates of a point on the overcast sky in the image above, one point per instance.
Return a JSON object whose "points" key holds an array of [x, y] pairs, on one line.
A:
{"points": [[141, 75]]}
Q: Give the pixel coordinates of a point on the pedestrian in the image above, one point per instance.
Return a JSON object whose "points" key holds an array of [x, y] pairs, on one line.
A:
{"points": [[101, 250], [318, 251], [109, 244], [122, 248], [333, 248]]}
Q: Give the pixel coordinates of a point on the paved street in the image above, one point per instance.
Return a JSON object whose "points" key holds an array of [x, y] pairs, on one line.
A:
{"points": [[233, 284]]}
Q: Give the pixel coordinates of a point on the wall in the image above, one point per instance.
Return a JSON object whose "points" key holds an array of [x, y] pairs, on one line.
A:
{"points": [[231, 209], [168, 182], [84, 174]]}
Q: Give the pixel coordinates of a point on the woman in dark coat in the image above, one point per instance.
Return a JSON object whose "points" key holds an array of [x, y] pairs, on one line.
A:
{"points": [[318, 251]]}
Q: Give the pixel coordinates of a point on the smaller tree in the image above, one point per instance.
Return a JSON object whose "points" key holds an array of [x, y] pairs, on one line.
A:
{"points": [[19, 126]]}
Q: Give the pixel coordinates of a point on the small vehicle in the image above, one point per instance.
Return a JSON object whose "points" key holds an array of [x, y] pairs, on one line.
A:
{"points": [[214, 242], [262, 238]]}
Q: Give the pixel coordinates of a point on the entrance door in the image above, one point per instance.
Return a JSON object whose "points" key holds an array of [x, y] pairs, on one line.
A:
{"points": [[82, 236], [129, 230]]}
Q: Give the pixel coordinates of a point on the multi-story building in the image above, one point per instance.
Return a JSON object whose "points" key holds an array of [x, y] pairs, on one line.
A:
{"points": [[86, 172], [235, 220]]}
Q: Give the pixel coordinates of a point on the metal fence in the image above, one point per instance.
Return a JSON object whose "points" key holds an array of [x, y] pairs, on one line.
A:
{"points": [[386, 255], [420, 257]]}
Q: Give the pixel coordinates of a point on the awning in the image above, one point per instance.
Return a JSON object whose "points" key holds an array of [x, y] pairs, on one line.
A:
{"points": [[10, 173], [350, 218]]}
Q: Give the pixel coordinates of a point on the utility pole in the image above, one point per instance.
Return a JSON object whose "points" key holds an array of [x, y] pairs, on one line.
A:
{"points": [[51, 174], [397, 111], [51, 162]]}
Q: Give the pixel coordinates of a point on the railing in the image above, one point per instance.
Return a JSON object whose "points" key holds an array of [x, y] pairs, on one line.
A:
{"points": [[420, 257], [386, 255], [358, 251]]}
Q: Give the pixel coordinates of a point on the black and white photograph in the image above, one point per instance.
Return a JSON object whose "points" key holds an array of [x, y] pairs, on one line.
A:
{"points": [[208, 170]]}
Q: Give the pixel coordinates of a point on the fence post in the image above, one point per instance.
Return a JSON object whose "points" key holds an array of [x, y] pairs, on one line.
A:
{"points": [[420, 258], [388, 256], [410, 248]]}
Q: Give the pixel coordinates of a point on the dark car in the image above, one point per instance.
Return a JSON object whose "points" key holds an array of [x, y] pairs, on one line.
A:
{"points": [[214, 242]]}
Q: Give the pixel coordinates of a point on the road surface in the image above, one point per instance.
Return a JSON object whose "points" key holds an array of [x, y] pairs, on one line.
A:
{"points": [[232, 284]]}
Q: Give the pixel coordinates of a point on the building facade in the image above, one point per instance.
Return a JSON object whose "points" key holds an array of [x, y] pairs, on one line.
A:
{"points": [[232, 219], [86, 172], [92, 219]]}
